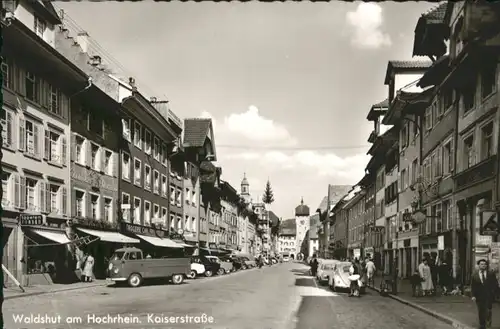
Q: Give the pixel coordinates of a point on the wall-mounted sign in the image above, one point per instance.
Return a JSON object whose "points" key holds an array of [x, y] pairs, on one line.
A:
{"points": [[144, 230], [30, 220], [489, 222]]}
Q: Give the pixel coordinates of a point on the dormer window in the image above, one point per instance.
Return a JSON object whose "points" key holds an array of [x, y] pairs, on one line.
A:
{"points": [[40, 27]]}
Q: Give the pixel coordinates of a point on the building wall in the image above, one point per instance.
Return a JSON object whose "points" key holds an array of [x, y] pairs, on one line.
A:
{"points": [[26, 15], [303, 225], [288, 243], [380, 184], [403, 79], [191, 201]]}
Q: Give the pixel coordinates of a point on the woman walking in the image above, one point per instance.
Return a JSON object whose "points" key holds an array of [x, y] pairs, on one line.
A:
{"points": [[425, 273], [88, 268]]}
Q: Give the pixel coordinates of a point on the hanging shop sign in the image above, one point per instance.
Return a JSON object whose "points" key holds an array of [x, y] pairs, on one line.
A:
{"points": [[30, 220], [489, 222]]}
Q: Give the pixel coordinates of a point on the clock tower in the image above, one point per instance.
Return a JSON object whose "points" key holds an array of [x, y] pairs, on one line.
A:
{"points": [[303, 224]]}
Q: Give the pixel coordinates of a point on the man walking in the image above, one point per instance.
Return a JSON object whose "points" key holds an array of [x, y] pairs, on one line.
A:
{"points": [[484, 286], [370, 271]]}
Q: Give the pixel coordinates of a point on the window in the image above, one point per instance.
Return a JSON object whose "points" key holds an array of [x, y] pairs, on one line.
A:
{"points": [[404, 136], [179, 223], [147, 177], [31, 83], [7, 72], [164, 215], [414, 171], [165, 155], [187, 195], [447, 98], [156, 149], [156, 182], [403, 179], [137, 211], [147, 144], [137, 134], [54, 147], [31, 203], [108, 162], [178, 197], [447, 215], [54, 199], [126, 166], [488, 78], [108, 209], [187, 223], [126, 129], [448, 159], [54, 100], [137, 171], [437, 167], [156, 212], [147, 212], [193, 198], [172, 222], [428, 118], [29, 138], [487, 141], [427, 171], [126, 202], [79, 150], [94, 156], [39, 27], [94, 206], [7, 121], [164, 191], [469, 152], [6, 184], [172, 194], [80, 203], [438, 109], [469, 97]]}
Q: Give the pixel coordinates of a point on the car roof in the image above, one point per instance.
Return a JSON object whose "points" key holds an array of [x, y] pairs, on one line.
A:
{"points": [[330, 261], [125, 249]]}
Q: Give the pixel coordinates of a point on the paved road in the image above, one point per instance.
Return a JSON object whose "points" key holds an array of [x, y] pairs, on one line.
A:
{"points": [[278, 297]]}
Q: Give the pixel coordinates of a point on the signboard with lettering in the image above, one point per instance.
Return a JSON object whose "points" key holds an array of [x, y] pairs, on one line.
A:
{"points": [[30, 220], [489, 222], [144, 230]]}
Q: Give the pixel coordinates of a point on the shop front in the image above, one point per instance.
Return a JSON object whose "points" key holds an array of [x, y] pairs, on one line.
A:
{"points": [[407, 251], [157, 242], [105, 238]]}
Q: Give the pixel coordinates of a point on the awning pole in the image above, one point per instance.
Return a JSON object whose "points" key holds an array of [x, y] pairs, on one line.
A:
{"points": [[12, 278]]}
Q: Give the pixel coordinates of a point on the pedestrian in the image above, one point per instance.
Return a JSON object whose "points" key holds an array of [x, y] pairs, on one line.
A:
{"points": [[370, 271], [88, 268], [445, 277], [434, 267], [484, 286], [314, 266], [425, 273], [354, 270], [416, 281]]}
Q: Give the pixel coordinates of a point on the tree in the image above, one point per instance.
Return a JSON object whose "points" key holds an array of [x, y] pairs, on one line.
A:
{"points": [[268, 196]]}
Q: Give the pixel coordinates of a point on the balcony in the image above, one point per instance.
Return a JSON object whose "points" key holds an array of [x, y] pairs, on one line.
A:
{"points": [[480, 172]]}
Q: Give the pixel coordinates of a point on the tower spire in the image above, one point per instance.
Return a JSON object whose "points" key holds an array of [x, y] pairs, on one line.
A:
{"points": [[302, 200]]}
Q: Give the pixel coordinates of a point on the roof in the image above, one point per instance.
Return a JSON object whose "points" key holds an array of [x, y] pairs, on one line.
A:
{"points": [[196, 131], [302, 209], [274, 219], [337, 192], [244, 181], [378, 109], [436, 73], [288, 227], [407, 65], [313, 228], [436, 15]]}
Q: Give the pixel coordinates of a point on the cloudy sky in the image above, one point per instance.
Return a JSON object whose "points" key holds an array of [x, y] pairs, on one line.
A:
{"points": [[288, 85]]}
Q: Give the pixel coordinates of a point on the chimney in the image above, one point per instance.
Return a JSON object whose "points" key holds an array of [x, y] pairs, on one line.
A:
{"points": [[153, 99], [82, 39], [95, 60]]}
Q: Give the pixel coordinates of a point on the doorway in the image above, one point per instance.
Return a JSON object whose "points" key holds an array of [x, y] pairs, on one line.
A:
{"points": [[408, 261]]}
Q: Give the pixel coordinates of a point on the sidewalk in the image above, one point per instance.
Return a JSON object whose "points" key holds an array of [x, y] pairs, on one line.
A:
{"points": [[458, 311], [15, 292]]}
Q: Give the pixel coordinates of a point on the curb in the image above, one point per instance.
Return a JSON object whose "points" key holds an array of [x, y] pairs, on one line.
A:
{"points": [[446, 319], [28, 294]]}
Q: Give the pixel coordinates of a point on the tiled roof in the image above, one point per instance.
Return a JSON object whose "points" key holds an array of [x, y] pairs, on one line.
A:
{"points": [[195, 131], [337, 192], [407, 64], [384, 103], [288, 227], [274, 219], [436, 15]]}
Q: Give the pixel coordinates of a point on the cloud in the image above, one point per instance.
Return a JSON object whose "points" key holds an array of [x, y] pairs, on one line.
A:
{"points": [[366, 22]]}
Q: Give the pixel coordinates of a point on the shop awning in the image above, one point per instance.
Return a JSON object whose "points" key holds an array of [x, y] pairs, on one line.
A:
{"points": [[183, 244], [109, 236], [59, 237], [167, 243]]}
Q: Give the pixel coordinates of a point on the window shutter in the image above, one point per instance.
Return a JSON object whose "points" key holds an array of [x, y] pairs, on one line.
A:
{"points": [[46, 154], [73, 203], [102, 162], [41, 201], [73, 147], [45, 94], [64, 103], [9, 136], [88, 208], [452, 155], [17, 191], [21, 79], [22, 198], [48, 201], [101, 208], [88, 153], [114, 164], [64, 201], [36, 139], [22, 135], [64, 150]]}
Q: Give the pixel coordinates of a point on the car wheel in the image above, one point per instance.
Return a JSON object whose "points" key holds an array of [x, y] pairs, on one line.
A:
{"points": [[221, 271], [177, 278], [208, 273], [228, 271], [193, 274], [244, 267], [134, 280]]}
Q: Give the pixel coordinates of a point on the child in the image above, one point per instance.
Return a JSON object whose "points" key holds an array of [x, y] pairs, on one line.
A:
{"points": [[415, 281]]}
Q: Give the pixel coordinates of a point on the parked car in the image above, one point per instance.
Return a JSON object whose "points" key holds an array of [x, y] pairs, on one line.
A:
{"points": [[339, 280], [225, 267], [227, 264], [211, 267], [238, 263], [249, 260], [197, 268], [286, 258], [325, 270]]}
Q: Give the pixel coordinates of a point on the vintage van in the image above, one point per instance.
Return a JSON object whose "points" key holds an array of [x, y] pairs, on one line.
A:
{"points": [[129, 265]]}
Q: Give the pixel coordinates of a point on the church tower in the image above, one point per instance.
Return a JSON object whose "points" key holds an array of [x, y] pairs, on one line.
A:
{"points": [[302, 221], [245, 189]]}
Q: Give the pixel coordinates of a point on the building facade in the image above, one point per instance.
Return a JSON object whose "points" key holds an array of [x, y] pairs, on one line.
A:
{"points": [[287, 240], [229, 202], [354, 212], [303, 224]]}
